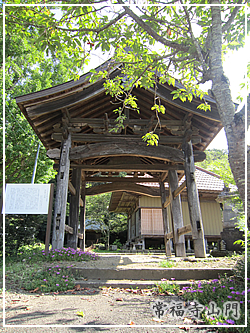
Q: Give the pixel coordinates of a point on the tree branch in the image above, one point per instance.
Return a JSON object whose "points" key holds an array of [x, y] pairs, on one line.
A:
{"points": [[197, 46], [151, 32], [228, 24]]}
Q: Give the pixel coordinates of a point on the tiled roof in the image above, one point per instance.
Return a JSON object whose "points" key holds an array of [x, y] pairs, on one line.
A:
{"points": [[205, 180]]}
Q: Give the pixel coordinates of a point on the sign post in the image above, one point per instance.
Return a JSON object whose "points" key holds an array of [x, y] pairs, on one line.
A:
{"points": [[31, 199]]}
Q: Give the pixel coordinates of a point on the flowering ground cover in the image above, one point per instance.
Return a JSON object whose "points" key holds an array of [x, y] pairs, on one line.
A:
{"points": [[33, 270], [224, 299]]}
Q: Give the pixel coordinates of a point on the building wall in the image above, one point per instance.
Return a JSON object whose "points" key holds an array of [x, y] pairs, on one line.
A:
{"points": [[151, 216]]}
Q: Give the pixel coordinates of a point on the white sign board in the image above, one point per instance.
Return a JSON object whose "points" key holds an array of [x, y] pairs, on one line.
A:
{"points": [[27, 198]]}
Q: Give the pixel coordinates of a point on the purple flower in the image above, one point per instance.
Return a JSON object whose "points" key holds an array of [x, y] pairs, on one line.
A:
{"points": [[237, 293], [229, 296], [232, 292], [231, 288], [230, 321], [44, 280], [218, 323], [243, 292], [57, 284]]}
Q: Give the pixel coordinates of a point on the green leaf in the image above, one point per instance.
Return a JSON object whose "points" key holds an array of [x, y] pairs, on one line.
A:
{"points": [[80, 313]]}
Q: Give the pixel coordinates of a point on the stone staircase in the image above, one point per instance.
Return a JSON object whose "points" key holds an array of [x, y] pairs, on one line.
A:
{"points": [[143, 277]]}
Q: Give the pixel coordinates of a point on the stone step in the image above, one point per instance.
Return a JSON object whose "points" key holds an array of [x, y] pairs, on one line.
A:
{"points": [[132, 284], [151, 274]]}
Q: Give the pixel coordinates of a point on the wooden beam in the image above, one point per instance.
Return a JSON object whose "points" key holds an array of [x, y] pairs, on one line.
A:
{"points": [[114, 187], [122, 180], [61, 196], [177, 218], [165, 219], [70, 231], [193, 202], [126, 149], [127, 168], [95, 138], [169, 235], [97, 122], [180, 189], [73, 192], [74, 209], [184, 230], [167, 202], [82, 213], [71, 188]]}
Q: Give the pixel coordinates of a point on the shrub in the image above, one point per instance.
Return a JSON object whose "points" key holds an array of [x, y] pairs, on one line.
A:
{"points": [[20, 230]]}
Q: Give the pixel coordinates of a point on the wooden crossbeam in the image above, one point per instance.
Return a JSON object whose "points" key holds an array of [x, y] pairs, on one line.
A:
{"points": [[180, 189], [121, 179], [175, 193], [181, 231], [71, 188], [184, 230], [73, 192], [91, 138], [128, 168], [169, 235], [94, 122], [114, 187], [68, 229], [167, 202]]}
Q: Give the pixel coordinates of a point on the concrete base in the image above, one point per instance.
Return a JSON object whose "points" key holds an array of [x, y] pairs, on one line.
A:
{"points": [[125, 283], [179, 274]]}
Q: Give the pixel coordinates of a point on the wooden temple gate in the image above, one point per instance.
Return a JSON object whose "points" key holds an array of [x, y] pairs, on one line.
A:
{"points": [[73, 121]]}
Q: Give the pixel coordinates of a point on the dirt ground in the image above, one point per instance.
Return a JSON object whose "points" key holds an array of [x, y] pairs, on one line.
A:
{"points": [[98, 310]]}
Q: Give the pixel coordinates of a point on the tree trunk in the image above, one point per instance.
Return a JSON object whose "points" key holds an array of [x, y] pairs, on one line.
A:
{"points": [[234, 124]]}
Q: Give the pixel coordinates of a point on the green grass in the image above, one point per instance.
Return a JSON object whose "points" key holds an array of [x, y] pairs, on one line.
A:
{"points": [[31, 269], [166, 264], [165, 287]]}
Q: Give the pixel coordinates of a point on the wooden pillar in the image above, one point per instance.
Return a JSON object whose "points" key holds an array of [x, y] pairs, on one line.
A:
{"points": [[82, 216], [177, 218], [188, 245], [143, 243], [193, 202], [74, 208], [165, 220], [61, 195]]}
